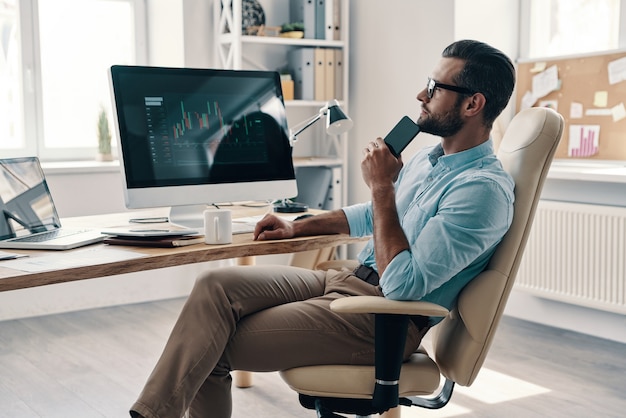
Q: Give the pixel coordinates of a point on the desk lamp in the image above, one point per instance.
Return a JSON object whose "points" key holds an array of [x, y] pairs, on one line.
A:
{"points": [[337, 123]]}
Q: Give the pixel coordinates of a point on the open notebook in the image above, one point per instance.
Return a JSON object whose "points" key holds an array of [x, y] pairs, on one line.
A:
{"points": [[28, 217]]}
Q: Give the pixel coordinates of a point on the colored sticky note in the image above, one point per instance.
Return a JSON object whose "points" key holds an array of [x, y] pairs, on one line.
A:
{"points": [[601, 98], [539, 66]]}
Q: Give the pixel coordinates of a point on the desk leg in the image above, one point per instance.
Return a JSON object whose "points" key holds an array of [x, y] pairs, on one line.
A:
{"points": [[392, 413], [243, 379], [246, 261]]}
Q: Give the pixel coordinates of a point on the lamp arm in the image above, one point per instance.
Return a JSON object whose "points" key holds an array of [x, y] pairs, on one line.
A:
{"points": [[298, 129]]}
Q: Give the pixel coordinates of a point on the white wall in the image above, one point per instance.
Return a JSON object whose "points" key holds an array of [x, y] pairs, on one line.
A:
{"points": [[198, 33], [501, 32], [394, 46], [166, 46], [84, 189]]}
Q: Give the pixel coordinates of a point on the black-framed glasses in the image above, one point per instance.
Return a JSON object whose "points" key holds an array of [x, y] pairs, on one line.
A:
{"points": [[432, 85]]}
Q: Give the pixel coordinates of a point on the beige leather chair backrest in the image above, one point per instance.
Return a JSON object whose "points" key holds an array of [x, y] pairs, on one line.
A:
{"points": [[463, 339]]}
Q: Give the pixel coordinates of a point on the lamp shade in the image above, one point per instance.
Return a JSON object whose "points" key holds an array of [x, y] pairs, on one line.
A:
{"points": [[337, 122]]}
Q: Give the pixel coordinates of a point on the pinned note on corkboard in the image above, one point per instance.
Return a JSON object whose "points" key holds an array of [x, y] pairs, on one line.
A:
{"points": [[590, 92]]}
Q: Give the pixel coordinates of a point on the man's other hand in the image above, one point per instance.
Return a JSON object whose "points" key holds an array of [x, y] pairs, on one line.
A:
{"points": [[273, 227]]}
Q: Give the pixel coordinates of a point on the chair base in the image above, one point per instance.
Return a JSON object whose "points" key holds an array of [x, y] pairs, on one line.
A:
{"points": [[439, 401], [332, 407]]}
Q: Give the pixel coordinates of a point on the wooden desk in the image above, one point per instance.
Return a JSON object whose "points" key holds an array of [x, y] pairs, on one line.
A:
{"points": [[154, 258]]}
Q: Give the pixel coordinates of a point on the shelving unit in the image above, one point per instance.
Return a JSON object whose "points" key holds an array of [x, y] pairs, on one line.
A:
{"points": [[237, 51]]}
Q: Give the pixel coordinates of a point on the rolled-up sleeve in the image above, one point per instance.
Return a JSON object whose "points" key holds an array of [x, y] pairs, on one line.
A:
{"points": [[359, 218]]}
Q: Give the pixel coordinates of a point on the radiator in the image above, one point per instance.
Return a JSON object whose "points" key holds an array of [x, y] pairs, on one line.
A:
{"points": [[576, 253]]}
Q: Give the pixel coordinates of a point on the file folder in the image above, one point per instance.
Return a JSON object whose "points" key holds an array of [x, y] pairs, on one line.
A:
{"points": [[302, 66]]}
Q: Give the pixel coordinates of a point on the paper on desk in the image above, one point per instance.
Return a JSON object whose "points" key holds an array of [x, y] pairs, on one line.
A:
{"points": [[10, 256], [248, 219], [256, 218], [86, 257]]}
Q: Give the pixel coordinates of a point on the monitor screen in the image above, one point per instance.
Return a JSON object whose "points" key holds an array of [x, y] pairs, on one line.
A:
{"points": [[201, 136]]}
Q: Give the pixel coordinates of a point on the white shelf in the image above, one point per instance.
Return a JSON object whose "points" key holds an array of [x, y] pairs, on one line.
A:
{"points": [[237, 51], [273, 40], [605, 172], [277, 40]]}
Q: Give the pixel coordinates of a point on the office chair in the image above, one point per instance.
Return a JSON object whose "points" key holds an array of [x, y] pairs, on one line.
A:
{"points": [[461, 341]]}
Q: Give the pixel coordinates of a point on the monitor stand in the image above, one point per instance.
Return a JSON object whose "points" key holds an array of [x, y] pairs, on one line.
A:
{"points": [[189, 216]]}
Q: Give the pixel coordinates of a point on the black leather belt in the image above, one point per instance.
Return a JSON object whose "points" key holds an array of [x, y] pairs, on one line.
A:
{"points": [[367, 274]]}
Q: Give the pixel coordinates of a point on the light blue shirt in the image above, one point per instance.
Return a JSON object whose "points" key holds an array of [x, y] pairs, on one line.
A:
{"points": [[454, 210]]}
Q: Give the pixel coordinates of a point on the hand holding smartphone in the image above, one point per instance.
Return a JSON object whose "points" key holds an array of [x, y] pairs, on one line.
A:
{"points": [[401, 135]]}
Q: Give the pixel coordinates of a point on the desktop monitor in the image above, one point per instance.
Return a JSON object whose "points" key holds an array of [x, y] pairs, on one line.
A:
{"points": [[189, 138]]}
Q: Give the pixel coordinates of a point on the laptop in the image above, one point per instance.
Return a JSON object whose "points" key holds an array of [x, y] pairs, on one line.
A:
{"points": [[28, 217]]}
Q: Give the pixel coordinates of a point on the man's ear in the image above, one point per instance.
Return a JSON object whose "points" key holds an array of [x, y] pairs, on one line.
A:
{"points": [[475, 104]]}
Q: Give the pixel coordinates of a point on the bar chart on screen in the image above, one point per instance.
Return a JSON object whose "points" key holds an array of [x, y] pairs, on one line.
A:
{"points": [[197, 119], [170, 117], [583, 140]]}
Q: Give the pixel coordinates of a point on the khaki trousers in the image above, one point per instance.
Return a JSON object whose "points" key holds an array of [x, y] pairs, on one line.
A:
{"points": [[256, 318]]}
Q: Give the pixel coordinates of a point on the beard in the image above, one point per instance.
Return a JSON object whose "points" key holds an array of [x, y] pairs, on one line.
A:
{"points": [[444, 125]]}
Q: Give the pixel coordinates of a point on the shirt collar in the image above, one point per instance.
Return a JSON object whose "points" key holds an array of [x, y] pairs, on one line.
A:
{"points": [[460, 158]]}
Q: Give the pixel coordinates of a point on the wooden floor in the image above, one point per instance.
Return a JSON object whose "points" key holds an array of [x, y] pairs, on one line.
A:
{"points": [[93, 364]]}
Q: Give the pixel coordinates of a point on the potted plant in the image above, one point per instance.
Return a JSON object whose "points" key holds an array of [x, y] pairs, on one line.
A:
{"points": [[292, 30], [104, 137]]}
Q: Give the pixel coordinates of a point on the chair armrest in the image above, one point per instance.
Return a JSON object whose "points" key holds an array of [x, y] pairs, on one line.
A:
{"points": [[391, 320], [376, 304]]}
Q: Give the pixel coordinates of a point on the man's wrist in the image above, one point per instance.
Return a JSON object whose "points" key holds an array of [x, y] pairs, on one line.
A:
{"points": [[382, 190]]}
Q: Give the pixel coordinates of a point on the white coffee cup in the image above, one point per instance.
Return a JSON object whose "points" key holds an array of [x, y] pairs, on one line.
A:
{"points": [[218, 228]]}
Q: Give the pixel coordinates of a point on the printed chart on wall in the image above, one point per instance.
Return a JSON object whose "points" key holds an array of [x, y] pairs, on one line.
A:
{"points": [[590, 92]]}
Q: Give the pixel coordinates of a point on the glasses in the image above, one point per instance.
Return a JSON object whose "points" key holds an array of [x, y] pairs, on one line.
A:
{"points": [[432, 85]]}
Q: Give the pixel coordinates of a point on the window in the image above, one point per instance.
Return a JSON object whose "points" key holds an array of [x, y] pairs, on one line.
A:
{"points": [[567, 27], [11, 98], [53, 71]]}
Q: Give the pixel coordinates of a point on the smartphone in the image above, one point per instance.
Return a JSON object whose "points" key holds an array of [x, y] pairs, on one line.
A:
{"points": [[401, 135]]}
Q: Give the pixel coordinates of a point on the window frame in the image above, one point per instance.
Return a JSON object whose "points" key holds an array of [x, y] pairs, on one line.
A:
{"points": [[525, 32], [32, 112]]}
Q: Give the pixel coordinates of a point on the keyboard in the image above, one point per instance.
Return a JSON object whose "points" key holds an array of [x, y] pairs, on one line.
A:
{"points": [[48, 235]]}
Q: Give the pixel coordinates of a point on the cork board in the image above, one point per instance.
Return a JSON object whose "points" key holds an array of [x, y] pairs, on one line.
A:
{"points": [[591, 96]]}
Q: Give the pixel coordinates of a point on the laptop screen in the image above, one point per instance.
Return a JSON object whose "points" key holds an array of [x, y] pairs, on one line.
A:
{"points": [[26, 205]]}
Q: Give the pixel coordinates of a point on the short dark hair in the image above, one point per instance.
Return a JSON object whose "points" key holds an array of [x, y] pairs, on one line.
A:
{"points": [[487, 70]]}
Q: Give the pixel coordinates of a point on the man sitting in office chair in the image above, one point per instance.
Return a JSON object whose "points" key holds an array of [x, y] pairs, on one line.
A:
{"points": [[435, 223]]}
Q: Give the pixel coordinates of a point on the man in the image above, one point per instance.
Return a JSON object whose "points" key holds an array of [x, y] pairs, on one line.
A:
{"points": [[435, 224]]}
